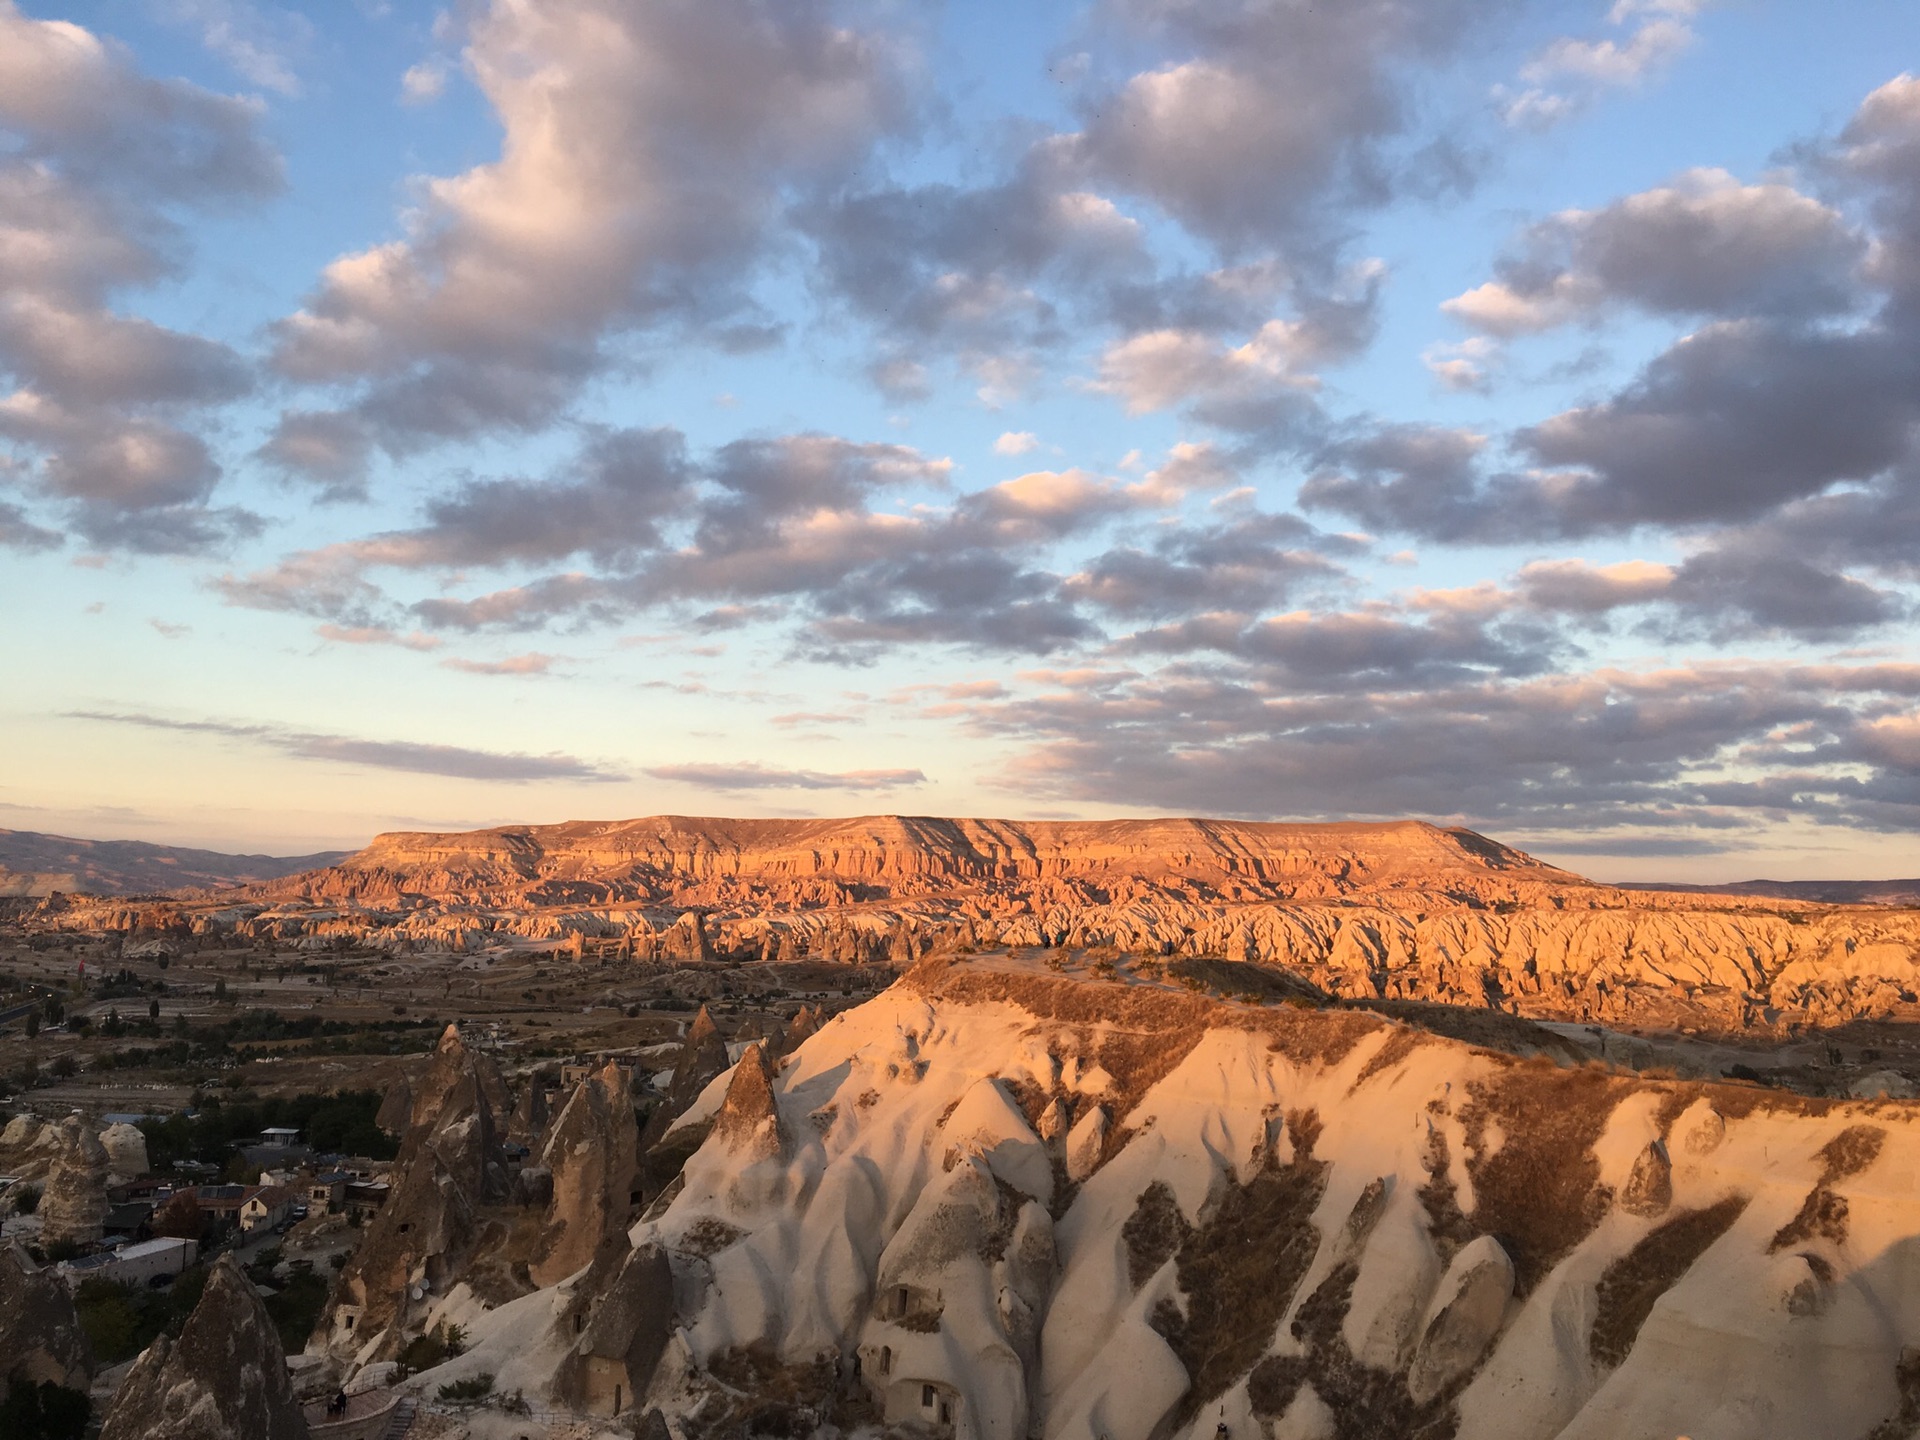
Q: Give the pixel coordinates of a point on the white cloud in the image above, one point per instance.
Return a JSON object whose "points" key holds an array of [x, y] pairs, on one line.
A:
{"points": [[423, 83], [1016, 442], [1568, 73]]}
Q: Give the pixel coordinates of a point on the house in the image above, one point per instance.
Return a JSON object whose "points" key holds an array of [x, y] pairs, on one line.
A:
{"points": [[267, 1206], [366, 1196], [135, 1264], [221, 1203], [933, 1403], [327, 1193], [128, 1219], [279, 1135]]}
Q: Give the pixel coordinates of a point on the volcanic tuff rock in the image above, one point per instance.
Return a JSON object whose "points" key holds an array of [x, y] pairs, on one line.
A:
{"points": [[126, 1148], [420, 1241], [627, 1321], [591, 1151], [40, 1336], [1290, 1216], [1398, 911], [73, 1203], [225, 1378]]}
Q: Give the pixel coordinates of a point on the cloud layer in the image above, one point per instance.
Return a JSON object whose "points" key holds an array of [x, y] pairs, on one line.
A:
{"points": [[1640, 552]]}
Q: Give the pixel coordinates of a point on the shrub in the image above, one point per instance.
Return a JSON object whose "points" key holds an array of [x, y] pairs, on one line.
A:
{"points": [[474, 1388]]}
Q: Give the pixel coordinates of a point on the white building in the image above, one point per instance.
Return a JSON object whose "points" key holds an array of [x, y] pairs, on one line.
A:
{"points": [[133, 1264]]}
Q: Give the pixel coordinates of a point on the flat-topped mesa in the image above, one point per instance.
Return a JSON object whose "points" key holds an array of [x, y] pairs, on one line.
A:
{"points": [[916, 855]]}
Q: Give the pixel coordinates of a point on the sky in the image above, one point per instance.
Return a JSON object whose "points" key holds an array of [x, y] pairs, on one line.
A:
{"points": [[1493, 412]]}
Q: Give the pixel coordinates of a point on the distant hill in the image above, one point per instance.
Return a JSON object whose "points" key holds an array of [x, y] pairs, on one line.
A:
{"points": [[36, 864], [1819, 892]]}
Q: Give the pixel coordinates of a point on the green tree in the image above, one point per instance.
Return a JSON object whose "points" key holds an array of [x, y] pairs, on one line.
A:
{"points": [[33, 1023], [153, 1009]]}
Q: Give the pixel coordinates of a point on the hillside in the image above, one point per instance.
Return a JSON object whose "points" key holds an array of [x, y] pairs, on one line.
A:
{"points": [[1003, 1201], [32, 863]]}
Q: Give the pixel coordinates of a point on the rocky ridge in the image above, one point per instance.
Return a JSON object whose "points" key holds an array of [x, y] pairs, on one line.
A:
{"points": [[1402, 911]]}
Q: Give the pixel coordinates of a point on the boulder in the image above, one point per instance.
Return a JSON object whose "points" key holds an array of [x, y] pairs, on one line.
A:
{"points": [[1884, 1085], [396, 1110], [225, 1378], [1465, 1315], [748, 1122], [528, 1123], [1649, 1188]]}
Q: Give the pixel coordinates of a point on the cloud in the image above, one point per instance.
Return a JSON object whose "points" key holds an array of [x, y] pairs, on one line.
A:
{"points": [[1241, 564], [1720, 747], [95, 159], [633, 193], [259, 42], [324, 448], [732, 778], [17, 532], [531, 663], [1278, 119], [1704, 245], [453, 761], [376, 635], [1016, 442], [1569, 73], [424, 83]]}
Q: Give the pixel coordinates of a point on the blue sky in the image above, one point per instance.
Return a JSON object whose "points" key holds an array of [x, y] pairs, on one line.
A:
{"points": [[1494, 412]]}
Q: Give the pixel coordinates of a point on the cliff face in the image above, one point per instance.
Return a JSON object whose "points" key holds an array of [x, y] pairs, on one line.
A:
{"points": [[903, 856]]}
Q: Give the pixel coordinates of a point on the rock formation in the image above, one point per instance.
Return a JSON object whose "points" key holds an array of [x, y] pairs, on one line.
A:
{"points": [[73, 1203], [748, 1121], [623, 1328], [1029, 1202], [591, 1151], [1396, 911], [225, 1378], [528, 1123], [126, 1149], [41, 1341], [419, 1243], [702, 1059], [396, 1108]]}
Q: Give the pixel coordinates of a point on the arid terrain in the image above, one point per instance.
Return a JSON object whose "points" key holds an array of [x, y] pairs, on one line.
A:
{"points": [[1118, 1131]]}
